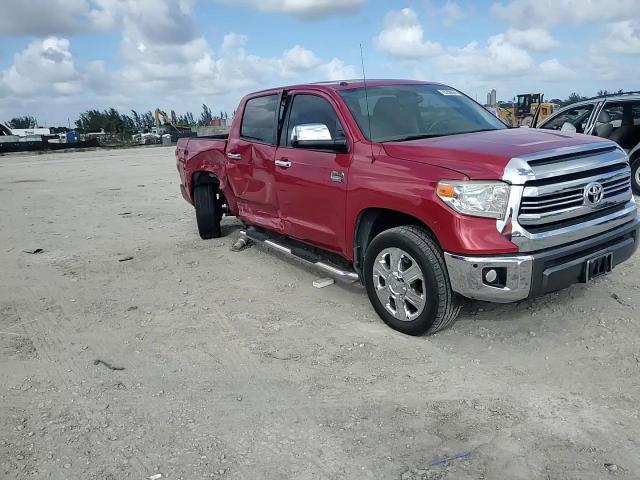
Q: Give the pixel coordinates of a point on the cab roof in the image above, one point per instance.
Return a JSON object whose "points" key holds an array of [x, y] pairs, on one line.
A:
{"points": [[337, 85]]}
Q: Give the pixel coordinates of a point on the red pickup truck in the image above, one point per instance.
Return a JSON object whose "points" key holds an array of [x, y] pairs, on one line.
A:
{"points": [[416, 191]]}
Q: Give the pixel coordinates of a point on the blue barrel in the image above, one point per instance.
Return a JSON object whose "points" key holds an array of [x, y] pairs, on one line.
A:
{"points": [[72, 136]]}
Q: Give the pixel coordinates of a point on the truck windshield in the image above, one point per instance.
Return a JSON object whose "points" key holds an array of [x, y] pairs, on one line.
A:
{"points": [[409, 112]]}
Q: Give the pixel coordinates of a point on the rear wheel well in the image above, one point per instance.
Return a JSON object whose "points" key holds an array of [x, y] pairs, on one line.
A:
{"points": [[204, 178], [373, 221], [208, 178]]}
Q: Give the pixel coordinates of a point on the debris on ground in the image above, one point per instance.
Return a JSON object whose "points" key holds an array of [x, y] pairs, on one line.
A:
{"points": [[107, 364], [617, 298], [155, 477], [612, 467], [125, 259], [240, 244], [323, 282], [447, 459], [34, 251], [283, 356], [124, 213]]}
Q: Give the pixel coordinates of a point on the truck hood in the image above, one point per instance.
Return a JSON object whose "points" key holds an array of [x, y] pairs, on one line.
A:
{"points": [[483, 155]]}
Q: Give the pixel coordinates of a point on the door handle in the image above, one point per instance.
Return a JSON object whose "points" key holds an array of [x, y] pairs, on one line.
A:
{"points": [[284, 163], [337, 176], [234, 156]]}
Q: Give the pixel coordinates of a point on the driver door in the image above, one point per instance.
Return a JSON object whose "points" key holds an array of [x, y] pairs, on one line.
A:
{"points": [[577, 116], [312, 183]]}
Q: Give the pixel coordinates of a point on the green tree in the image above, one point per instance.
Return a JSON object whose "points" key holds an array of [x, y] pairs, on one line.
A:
{"points": [[148, 120], [206, 116], [109, 121], [137, 121], [26, 121], [573, 98]]}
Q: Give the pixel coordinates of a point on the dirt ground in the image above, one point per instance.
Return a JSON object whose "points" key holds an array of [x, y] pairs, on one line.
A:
{"points": [[236, 367]]}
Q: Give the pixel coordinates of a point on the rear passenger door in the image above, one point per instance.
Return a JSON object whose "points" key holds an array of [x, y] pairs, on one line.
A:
{"points": [[312, 184], [250, 157], [619, 121]]}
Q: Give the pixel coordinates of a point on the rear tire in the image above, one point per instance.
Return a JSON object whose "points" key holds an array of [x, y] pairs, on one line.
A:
{"points": [[412, 301], [208, 211], [635, 175]]}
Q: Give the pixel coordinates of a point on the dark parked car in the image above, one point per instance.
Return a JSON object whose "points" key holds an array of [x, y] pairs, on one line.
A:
{"points": [[615, 117]]}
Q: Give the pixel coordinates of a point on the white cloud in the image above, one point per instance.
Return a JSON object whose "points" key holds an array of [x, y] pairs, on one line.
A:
{"points": [[624, 37], [402, 36], [45, 67], [236, 69], [43, 17], [304, 9], [533, 39], [498, 59], [299, 59], [554, 71], [536, 12], [337, 69], [451, 12]]}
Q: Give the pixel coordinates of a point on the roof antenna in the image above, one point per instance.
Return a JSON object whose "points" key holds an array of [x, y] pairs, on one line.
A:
{"points": [[366, 97]]}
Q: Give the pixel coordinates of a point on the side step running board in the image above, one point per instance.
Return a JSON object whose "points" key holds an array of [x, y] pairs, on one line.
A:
{"points": [[348, 276]]}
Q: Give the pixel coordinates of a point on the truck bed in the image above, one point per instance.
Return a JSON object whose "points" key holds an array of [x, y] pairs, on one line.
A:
{"points": [[193, 153]]}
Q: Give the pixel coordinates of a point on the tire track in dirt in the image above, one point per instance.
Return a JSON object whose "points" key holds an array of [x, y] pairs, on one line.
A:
{"points": [[51, 333]]}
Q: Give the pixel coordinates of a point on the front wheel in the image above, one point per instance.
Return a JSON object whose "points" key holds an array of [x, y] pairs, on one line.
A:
{"points": [[635, 175], [407, 281]]}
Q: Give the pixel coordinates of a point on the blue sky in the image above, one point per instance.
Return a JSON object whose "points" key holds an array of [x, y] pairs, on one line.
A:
{"points": [[60, 57]]}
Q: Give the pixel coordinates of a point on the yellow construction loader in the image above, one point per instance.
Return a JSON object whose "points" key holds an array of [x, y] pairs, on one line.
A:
{"points": [[525, 107]]}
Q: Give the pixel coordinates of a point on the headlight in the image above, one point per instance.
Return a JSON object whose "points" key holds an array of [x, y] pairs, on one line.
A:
{"points": [[475, 198]]}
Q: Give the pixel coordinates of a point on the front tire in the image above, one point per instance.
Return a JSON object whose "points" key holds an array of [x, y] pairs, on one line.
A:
{"points": [[635, 175], [407, 281], [208, 211]]}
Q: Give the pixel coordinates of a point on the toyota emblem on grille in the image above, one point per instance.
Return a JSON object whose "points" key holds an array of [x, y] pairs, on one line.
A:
{"points": [[593, 194]]}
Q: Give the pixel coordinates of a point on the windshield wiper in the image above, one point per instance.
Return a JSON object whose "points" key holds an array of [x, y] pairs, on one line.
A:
{"points": [[431, 135], [411, 137], [481, 130]]}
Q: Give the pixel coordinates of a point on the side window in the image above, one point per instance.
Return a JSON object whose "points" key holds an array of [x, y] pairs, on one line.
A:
{"points": [[259, 119], [313, 109], [577, 116], [616, 115], [636, 113], [609, 119]]}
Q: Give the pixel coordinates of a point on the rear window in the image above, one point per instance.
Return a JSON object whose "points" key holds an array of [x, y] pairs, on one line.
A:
{"points": [[259, 119]]}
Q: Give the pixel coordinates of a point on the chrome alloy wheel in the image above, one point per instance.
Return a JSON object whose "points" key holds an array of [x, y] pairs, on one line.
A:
{"points": [[399, 284]]}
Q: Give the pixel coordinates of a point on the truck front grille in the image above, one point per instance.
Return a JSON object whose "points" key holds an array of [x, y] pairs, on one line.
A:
{"points": [[562, 197]]}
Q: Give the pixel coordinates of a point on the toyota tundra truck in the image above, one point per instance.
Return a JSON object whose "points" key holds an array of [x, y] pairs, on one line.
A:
{"points": [[417, 192]]}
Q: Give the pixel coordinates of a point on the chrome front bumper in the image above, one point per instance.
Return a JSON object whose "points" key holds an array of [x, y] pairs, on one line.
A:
{"points": [[536, 273], [465, 274]]}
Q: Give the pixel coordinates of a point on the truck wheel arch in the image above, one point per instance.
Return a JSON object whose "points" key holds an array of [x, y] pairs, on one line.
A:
{"points": [[203, 178], [372, 221], [634, 163]]}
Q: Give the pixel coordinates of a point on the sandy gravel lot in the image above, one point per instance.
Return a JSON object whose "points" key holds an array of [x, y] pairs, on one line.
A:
{"points": [[236, 367]]}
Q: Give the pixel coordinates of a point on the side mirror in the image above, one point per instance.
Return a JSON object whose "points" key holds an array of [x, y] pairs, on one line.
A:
{"points": [[568, 127], [316, 136]]}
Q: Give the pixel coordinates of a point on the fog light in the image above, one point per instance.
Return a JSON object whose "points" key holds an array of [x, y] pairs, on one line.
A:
{"points": [[490, 276]]}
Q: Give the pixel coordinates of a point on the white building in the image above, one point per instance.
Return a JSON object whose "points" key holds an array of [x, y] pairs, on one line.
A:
{"points": [[30, 132]]}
